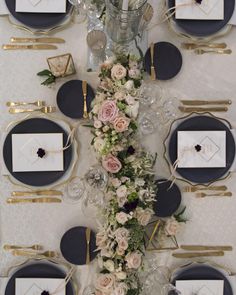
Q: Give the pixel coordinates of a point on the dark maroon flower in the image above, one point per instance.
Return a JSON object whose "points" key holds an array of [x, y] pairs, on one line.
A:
{"points": [[45, 293], [130, 206], [41, 153], [131, 150], [198, 148]]}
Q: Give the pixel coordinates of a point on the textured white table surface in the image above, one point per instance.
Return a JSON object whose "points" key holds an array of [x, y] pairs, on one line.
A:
{"points": [[211, 221]]}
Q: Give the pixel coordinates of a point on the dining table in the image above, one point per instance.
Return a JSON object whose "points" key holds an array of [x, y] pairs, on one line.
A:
{"points": [[208, 76]]}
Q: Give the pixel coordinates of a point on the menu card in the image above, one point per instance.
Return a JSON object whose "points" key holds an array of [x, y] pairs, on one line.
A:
{"points": [[37, 152], [201, 149], [207, 10], [35, 286], [200, 287], [41, 6]]}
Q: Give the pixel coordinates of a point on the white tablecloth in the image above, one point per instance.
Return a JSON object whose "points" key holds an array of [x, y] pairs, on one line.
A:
{"points": [[210, 221]]}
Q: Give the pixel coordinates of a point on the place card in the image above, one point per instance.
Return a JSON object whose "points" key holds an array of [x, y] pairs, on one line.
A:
{"points": [[28, 152], [41, 6], [207, 10], [33, 286], [200, 287], [201, 149]]}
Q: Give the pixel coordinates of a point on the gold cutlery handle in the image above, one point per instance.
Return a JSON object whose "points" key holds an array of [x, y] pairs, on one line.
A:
{"points": [[14, 47], [15, 247], [196, 109], [19, 111], [206, 102], [38, 193], [38, 103], [198, 254], [34, 200], [209, 188], [37, 40], [49, 254], [32, 47], [153, 71], [203, 248], [219, 51], [204, 45], [227, 194], [22, 40], [85, 114]]}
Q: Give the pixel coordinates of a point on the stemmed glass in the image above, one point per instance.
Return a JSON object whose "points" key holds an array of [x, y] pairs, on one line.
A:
{"points": [[94, 10], [75, 190], [150, 93], [80, 12]]}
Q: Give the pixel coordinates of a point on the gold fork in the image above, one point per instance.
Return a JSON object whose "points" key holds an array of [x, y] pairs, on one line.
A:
{"points": [[38, 103], [220, 51], [48, 254], [88, 235], [45, 110], [153, 72], [203, 195], [190, 46], [194, 189], [15, 247], [33, 200], [84, 88]]}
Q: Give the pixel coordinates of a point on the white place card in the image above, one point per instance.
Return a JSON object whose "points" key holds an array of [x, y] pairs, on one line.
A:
{"points": [[25, 148], [35, 286], [200, 287], [41, 6], [201, 149], [207, 10]]}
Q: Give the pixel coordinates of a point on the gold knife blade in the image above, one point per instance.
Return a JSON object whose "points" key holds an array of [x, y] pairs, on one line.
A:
{"points": [[206, 102], [37, 193], [33, 200], [84, 89], [198, 254], [37, 40], [153, 71], [49, 254], [88, 236], [198, 109], [32, 47], [204, 248]]}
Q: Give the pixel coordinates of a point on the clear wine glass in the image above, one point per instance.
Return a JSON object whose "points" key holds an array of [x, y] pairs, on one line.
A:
{"points": [[171, 109], [150, 93], [80, 11], [150, 121], [94, 10], [75, 190]]}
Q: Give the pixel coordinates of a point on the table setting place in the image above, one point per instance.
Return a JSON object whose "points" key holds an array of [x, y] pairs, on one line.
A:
{"points": [[118, 137]]}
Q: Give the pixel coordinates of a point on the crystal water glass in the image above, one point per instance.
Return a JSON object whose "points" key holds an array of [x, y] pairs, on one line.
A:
{"points": [[150, 93], [75, 190], [80, 12]]}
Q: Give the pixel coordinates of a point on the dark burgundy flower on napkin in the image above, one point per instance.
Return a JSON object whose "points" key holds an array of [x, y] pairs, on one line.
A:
{"points": [[41, 153], [198, 148], [45, 293], [198, 1]]}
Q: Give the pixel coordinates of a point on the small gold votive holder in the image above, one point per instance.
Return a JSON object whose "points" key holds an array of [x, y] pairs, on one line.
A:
{"points": [[97, 42], [61, 65]]}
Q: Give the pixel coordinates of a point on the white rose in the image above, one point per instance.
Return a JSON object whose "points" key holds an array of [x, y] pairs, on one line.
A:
{"points": [[129, 85], [121, 233], [119, 95], [123, 244], [98, 144], [118, 72], [172, 226], [122, 217], [139, 182], [105, 282], [121, 275], [134, 260], [109, 265], [120, 289], [97, 124], [115, 182], [121, 191], [144, 215], [134, 73], [98, 133], [130, 99], [121, 201], [132, 110]]}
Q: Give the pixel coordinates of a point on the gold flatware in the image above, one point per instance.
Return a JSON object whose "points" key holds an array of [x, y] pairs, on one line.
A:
{"points": [[37, 193], [15, 247], [198, 254], [33, 200], [204, 248], [219, 51], [31, 47], [193, 189], [190, 46], [88, 235], [206, 102], [37, 40], [84, 88], [45, 110], [198, 109], [203, 195], [48, 254], [153, 72], [38, 103]]}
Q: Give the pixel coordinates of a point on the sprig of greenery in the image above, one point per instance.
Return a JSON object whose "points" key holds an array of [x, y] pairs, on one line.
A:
{"points": [[50, 77]]}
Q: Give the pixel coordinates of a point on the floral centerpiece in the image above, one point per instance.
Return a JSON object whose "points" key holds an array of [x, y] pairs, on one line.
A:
{"points": [[131, 188]]}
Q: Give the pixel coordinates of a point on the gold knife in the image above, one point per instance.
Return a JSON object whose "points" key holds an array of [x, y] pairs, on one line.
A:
{"points": [[198, 254], [37, 193], [204, 248], [191, 46], [37, 40], [49, 254], [88, 235], [33, 47], [206, 102], [84, 88], [33, 200], [198, 109], [153, 72]]}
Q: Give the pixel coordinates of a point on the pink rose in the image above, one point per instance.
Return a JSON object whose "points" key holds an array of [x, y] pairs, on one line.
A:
{"points": [[118, 72], [134, 73], [115, 182], [144, 215], [171, 227], [122, 233], [120, 289], [122, 217], [105, 282], [108, 111], [121, 191], [123, 244], [111, 164], [121, 124], [134, 260]]}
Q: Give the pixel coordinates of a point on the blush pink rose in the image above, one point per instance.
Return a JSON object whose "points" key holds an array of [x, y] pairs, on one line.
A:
{"points": [[108, 111], [118, 72], [134, 260], [121, 124], [111, 164], [105, 282]]}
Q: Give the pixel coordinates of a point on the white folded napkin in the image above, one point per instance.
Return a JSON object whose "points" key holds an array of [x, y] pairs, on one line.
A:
{"points": [[41, 6], [3, 8], [200, 287]]}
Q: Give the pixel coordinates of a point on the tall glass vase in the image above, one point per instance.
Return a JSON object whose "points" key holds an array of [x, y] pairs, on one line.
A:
{"points": [[123, 19]]}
